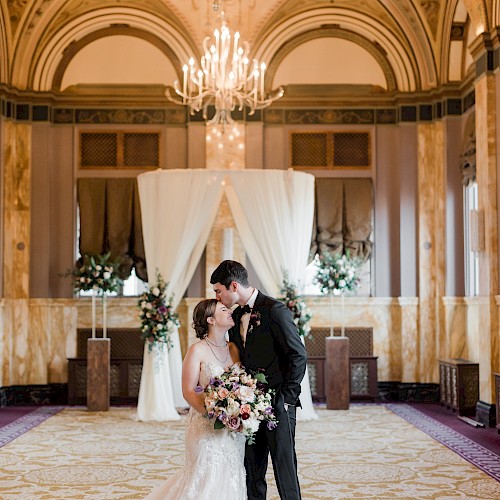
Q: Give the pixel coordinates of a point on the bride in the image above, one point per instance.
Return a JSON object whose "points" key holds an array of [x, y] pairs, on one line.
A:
{"points": [[213, 465]]}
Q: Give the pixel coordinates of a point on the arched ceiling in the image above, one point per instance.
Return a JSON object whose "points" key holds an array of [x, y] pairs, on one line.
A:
{"points": [[410, 34]]}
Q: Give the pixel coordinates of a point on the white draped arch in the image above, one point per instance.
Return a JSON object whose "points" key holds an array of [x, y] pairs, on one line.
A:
{"points": [[273, 210]]}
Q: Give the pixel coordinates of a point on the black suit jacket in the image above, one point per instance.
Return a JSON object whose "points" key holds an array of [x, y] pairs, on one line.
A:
{"points": [[273, 346]]}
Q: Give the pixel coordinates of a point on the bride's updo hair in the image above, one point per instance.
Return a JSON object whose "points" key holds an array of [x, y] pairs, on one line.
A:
{"points": [[201, 313]]}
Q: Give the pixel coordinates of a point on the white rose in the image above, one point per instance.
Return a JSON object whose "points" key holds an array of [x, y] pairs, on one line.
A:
{"points": [[246, 394], [156, 291], [107, 275], [251, 424], [342, 283], [82, 280], [98, 267]]}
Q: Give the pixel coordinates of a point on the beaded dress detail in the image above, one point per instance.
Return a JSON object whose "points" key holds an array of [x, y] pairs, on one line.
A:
{"points": [[213, 464]]}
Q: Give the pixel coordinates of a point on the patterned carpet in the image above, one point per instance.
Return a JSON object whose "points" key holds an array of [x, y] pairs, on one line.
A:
{"points": [[366, 452]]}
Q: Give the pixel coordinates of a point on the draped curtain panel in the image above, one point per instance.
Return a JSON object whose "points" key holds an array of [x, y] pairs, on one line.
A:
{"points": [[274, 211], [178, 211], [110, 222], [344, 217]]}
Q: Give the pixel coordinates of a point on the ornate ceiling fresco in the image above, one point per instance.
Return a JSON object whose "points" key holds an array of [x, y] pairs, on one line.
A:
{"points": [[411, 34]]}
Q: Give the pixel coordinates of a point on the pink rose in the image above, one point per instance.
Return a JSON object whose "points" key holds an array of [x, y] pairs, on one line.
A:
{"points": [[245, 409], [222, 393]]}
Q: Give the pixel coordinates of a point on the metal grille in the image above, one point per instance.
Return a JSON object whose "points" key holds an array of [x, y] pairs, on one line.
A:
{"points": [[313, 377], [360, 341], [114, 381], [119, 149], [141, 150], [98, 149], [309, 150], [330, 149], [351, 149], [125, 343], [360, 378], [134, 379]]}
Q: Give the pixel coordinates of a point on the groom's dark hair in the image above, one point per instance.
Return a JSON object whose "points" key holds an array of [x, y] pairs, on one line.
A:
{"points": [[228, 271]]}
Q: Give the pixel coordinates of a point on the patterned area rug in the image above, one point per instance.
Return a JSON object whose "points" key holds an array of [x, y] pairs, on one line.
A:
{"points": [[367, 452]]}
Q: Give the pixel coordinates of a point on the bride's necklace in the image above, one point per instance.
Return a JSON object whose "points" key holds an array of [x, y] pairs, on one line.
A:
{"points": [[221, 361], [214, 344]]}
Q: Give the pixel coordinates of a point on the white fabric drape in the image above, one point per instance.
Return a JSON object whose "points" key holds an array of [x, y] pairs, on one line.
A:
{"points": [[178, 208], [156, 394], [274, 212]]}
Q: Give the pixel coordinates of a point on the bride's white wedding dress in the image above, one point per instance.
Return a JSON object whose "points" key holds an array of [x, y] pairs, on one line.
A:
{"points": [[213, 466]]}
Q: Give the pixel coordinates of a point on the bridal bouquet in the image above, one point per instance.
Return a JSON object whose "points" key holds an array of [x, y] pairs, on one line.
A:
{"points": [[240, 402], [157, 316]]}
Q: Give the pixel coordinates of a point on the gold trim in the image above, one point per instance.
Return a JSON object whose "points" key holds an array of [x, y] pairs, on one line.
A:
{"points": [[372, 48]]}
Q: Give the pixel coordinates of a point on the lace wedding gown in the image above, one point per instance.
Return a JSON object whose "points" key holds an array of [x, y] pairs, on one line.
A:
{"points": [[213, 467]]}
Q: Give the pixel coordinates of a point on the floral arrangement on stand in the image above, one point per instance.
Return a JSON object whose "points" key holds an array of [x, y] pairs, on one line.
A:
{"points": [[99, 274], [291, 297], [239, 402], [337, 274], [157, 316]]}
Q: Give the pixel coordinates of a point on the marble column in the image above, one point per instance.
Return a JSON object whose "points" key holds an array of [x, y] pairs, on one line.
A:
{"points": [[225, 149], [431, 246], [487, 336], [16, 249]]}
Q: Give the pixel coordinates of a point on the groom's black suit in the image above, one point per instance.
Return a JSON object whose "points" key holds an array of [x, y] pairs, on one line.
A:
{"points": [[274, 347]]}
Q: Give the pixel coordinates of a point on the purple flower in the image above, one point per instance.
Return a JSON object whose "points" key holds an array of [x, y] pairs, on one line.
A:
{"points": [[234, 423], [198, 389], [271, 425], [162, 310], [268, 410]]}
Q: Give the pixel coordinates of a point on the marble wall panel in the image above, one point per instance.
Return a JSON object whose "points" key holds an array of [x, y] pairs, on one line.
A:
{"points": [[18, 316], [382, 314], [54, 321], [455, 327], [38, 335], [409, 339], [431, 196], [16, 214]]}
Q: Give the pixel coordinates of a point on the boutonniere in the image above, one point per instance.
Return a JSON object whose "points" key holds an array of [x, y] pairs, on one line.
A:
{"points": [[255, 318]]}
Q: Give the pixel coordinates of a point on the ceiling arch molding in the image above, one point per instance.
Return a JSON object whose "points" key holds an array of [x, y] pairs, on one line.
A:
{"points": [[75, 47], [45, 72], [400, 57], [418, 39], [371, 48]]}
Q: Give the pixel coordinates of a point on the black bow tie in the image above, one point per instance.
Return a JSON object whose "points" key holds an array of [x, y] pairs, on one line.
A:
{"points": [[245, 309]]}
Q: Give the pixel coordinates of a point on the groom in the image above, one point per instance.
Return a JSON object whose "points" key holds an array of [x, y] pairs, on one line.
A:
{"points": [[268, 341]]}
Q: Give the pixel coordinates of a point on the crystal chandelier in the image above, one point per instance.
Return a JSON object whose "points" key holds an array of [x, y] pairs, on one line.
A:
{"points": [[224, 78]]}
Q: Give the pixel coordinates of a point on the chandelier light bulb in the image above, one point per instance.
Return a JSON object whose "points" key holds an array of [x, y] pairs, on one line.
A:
{"points": [[224, 79]]}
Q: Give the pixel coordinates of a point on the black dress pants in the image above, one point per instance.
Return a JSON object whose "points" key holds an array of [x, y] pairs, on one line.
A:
{"points": [[280, 443]]}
